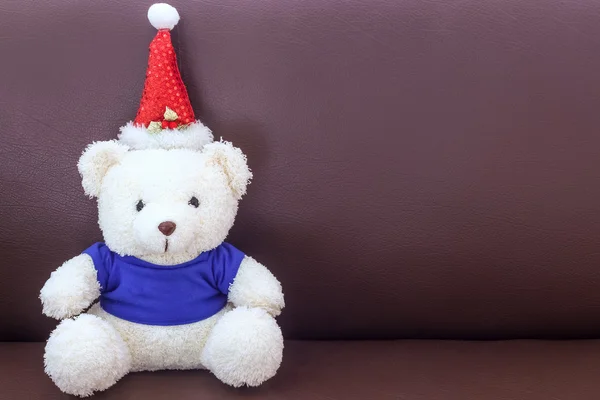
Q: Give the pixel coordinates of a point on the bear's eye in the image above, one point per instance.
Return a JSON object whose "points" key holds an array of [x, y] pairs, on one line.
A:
{"points": [[194, 202], [140, 204]]}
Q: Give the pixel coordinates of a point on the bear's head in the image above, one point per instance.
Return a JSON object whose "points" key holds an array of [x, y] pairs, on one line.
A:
{"points": [[164, 206]]}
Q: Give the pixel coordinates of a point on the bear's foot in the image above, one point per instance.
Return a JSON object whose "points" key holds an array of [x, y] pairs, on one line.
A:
{"points": [[85, 355], [244, 348]]}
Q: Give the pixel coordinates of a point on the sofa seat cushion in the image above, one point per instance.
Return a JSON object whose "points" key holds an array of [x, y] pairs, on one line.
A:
{"points": [[394, 370]]}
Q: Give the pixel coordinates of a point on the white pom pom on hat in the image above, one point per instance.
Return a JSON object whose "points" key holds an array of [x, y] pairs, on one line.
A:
{"points": [[163, 16]]}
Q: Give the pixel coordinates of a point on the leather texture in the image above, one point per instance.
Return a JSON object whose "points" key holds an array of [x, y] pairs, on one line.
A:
{"points": [[346, 370], [423, 169]]}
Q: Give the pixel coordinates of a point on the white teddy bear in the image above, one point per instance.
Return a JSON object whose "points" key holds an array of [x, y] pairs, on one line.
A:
{"points": [[162, 212], [172, 294]]}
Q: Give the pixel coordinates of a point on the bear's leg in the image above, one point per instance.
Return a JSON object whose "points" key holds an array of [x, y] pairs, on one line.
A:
{"points": [[244, 348], [85, 355]]}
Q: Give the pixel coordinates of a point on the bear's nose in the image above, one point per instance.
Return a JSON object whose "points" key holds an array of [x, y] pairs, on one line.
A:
{"points": [[167, 227]]}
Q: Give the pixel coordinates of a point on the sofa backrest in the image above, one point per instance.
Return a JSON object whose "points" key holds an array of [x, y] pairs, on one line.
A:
{"points": [[422, 169]]}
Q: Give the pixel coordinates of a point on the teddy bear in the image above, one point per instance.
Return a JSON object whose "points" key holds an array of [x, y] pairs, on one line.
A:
{"points": [[164, 290]]}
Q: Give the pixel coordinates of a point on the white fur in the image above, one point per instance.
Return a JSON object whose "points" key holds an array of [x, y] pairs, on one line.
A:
{"points": [[244, 348], [233, 163], [165, 180], [256, 286], [241, 346], [162, 347], [95, 162], [163, 16], [194, 137], [86, 355], [71, 288]]}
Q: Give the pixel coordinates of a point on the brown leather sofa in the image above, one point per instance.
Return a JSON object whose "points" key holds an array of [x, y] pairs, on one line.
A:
{"points": [[427, 184]]}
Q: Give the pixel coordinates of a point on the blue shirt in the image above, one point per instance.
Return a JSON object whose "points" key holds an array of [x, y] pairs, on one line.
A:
{"points": [[145, 293]]}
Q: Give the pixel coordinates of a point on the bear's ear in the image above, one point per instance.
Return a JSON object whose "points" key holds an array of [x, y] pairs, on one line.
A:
{"points": [[95, 162], [233, 163]]}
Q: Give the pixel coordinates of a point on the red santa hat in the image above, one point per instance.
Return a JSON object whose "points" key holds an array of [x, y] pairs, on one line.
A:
{"points": [[165, 118]]}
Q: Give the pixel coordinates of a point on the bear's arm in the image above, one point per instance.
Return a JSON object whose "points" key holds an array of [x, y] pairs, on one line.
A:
{"points": [[71, 288], [255, 286]]}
